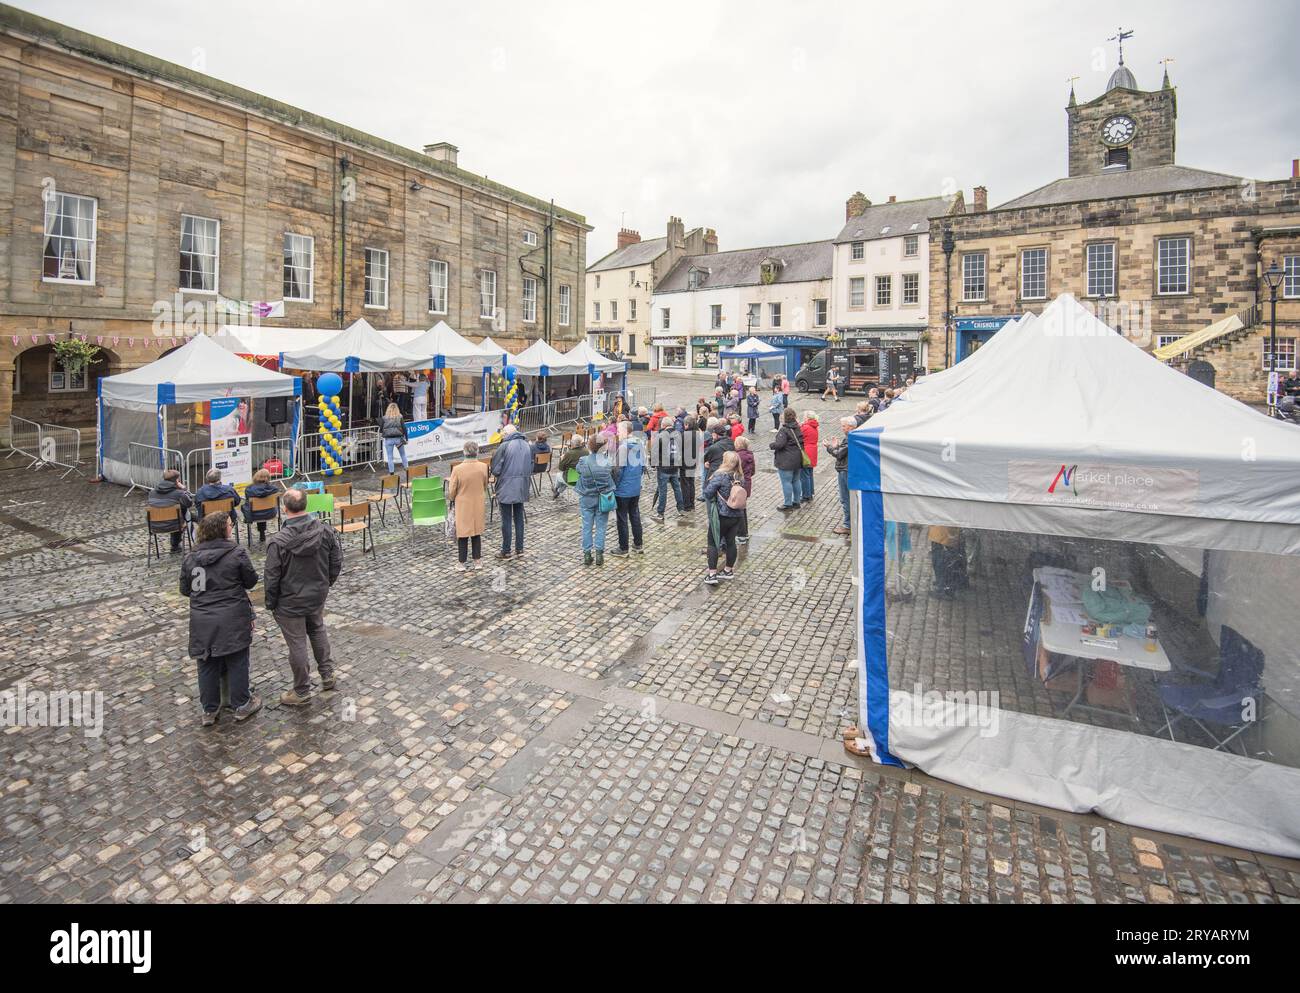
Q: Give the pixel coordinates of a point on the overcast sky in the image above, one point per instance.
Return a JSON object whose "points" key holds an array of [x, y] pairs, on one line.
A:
{"points": [[756, 118]]}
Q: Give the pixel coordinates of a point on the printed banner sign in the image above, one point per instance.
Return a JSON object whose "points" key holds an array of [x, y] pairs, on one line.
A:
{"points": [[446, 436], [231, 427], [1104, 487]]}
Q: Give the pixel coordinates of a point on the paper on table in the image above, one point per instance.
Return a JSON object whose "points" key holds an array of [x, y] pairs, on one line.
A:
{"points": [[1068, 615]]}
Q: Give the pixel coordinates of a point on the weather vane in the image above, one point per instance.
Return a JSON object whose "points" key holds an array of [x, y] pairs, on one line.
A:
{"points": [[1122, 37]]}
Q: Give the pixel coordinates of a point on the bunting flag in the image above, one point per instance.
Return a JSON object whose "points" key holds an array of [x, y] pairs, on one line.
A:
{"points": [[115, 340], [35, 339], [15, 340], [251, 308], [99, 339], [50, 338]]}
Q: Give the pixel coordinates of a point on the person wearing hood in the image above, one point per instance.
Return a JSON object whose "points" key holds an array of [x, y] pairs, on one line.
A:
{"points": [[171, 492], [303, 559], [512, 468], [214, 489], [216, 577]]}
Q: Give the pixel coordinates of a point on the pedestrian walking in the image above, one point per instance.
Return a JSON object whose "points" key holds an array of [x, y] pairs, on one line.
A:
{"points": [[666, 457], [467, 492], [840, 452], [393, 430], [810, 429], [631, 461], [216, 577], [832, 385], [747, 467], [303, 560], [726, 498], [512, 468], [597, 481], [788, 456]]}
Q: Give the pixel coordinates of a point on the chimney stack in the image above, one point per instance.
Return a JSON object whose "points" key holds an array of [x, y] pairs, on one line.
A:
{"points": [[855, 206], [676, 233], [443, 151], [892, 198], [627, 237], [981, 199], [1295, 168], [710, 241]]}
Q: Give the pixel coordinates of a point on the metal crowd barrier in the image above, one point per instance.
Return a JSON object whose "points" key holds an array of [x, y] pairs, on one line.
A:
{"points": [[361, 446], [146, 464], [61, 446], [199, 461], [24, 439]]}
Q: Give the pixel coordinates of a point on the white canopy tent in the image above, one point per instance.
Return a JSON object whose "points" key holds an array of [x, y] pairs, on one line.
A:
{"points": [[495, 352], [445, 349], [266, 342], [1060, 434], [753, 348], [358, 348], [133, 405], [542, 359]]}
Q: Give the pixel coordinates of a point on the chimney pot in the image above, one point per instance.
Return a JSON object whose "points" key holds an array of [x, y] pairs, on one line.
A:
{"points": [[892, 198], [855, 206], [443, 151], [981, 199], [628, 237], [1295, 168]]}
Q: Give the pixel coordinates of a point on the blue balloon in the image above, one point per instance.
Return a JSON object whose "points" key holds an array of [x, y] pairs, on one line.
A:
{"points": [[330, 384], [511, 373]]}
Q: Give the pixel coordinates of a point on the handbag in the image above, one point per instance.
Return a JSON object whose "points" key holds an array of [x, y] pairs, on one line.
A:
{"points": [[607, 502], [738, 498], [803, 452]]}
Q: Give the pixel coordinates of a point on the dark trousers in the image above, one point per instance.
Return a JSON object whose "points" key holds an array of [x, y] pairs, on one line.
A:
{"points": [[298, 633], [688, 487], [949, 566], [776, 420], [629, 514], [512, 523], [463, 547], [743, 531], [725, 538], [212, 668], [751, 424]]}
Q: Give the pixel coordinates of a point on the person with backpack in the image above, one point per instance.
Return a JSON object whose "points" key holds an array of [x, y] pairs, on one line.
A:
{"points": [[393, 431], [627, 495], [692, 460], [788, 456], [666, 457], [726, 498], [751, 408], [747, 467], [597, 483]]}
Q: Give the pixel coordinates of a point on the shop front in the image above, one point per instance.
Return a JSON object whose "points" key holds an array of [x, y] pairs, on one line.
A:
{"points": [[972, 332], [670, 354], [704, 351], [607, 341]]}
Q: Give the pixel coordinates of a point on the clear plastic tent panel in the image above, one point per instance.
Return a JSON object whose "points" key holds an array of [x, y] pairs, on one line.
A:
{"points": [[1158, 684]]}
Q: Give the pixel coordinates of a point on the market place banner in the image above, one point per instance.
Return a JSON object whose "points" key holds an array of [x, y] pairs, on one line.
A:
{"points": [[231, 429], [446, 436]]}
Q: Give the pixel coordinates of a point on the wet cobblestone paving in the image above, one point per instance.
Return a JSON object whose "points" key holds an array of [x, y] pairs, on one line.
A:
{"points": [[533, 731]]}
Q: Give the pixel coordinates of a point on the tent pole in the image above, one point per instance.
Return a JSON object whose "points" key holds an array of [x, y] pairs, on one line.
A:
{"points": [[351, 377]]}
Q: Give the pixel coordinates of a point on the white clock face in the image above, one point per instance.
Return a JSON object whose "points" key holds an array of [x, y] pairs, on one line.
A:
{"points": [[1118, 130]]}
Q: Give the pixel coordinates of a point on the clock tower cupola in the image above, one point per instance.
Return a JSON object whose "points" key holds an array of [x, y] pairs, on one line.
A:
{"points": [[1124, 128]]}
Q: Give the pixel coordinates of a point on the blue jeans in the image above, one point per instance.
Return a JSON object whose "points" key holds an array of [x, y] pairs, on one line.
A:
{"points": [[791, 486], [391, 445], [807, 482], [669, 477], [844, 494], [594, 520], [512, 520]]}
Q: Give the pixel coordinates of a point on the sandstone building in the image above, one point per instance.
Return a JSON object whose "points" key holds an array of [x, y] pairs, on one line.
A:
{"points": [[1162, 250], [141, 199]]}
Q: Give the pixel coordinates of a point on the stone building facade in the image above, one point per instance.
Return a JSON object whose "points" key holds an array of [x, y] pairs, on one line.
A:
{"points": [[138, 198], [1158, 249]]}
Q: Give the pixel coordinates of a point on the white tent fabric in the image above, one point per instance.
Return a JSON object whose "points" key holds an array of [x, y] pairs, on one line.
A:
{"points": [[445, 349], [1061, 426], [541, 359], [265, 341], [583, 352], [197, 371], [359, 348], [753, 348], [495, 352]]}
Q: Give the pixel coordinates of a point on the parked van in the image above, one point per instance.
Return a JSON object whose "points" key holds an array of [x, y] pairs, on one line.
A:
{"points": [[860, 366]]}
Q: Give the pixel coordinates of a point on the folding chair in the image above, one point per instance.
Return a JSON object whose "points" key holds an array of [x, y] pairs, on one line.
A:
{"points": [[341, 492], [320, 503], [541, 466], [429, 502], [262, 505], [390, 489], [354, 517], [216, 506], [1222, 704], [566, 439], [168, 521], [410, 473]]}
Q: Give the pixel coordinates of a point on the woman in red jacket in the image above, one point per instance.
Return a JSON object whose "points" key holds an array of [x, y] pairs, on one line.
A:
{"points": [[747, 470], [809, 428]]}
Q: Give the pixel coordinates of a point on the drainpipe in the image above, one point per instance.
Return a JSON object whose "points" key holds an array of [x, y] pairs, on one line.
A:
{"points": [[344, 165], [949, 244]]}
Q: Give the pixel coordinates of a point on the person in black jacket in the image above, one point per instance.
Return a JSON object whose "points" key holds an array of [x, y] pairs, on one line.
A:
{"points": [[666, 457], [692, 457], [303, 559], [260, 488], [216, 577], [172, 492], [214, 489], [787, 448], [719, 444], [839, 450], [393, 431]]}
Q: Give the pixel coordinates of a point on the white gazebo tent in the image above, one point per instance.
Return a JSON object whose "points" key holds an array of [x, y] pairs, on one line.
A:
{"points": [[495, 352], [133, 406], [541, 361], [270, 342], [603, 371], [753, 354], [1069, 444], [446, 349]]}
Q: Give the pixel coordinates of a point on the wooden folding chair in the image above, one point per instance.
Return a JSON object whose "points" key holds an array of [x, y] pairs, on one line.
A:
{"points": [[566, 439], [341, 492], [168, 521], [260, 505], [541, 466], [216, 506], [354, 517], [390, 489]]}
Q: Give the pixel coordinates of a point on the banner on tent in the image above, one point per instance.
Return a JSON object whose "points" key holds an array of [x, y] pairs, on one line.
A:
{"points": [[445, 436], [1110, 487], [232, 438]]}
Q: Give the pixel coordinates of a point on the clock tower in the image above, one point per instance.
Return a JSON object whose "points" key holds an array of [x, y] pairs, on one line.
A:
{"points": [[1124, 128]]}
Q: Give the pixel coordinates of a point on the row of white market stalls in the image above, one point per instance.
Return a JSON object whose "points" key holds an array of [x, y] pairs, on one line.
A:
{"points": [[1104, 617], [167, 405]]}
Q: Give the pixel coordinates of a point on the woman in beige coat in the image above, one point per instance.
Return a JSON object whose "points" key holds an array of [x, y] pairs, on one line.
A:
{"points": [[467, 491]]}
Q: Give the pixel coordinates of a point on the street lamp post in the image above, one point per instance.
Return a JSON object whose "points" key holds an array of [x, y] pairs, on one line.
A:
{"points": [[949, 245], [1273, 276]]}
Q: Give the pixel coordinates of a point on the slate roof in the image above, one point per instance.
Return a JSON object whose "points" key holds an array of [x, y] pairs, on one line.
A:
{"points": [[641, 253], [897, 217], [1122, 183], [803, 262]]}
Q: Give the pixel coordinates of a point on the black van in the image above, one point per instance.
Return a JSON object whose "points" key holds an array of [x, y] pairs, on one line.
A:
{"points": [[860, 368]]}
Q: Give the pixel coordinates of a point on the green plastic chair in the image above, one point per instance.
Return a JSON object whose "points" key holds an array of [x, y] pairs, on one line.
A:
{"points": [[320, 503], [428, 501]]}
